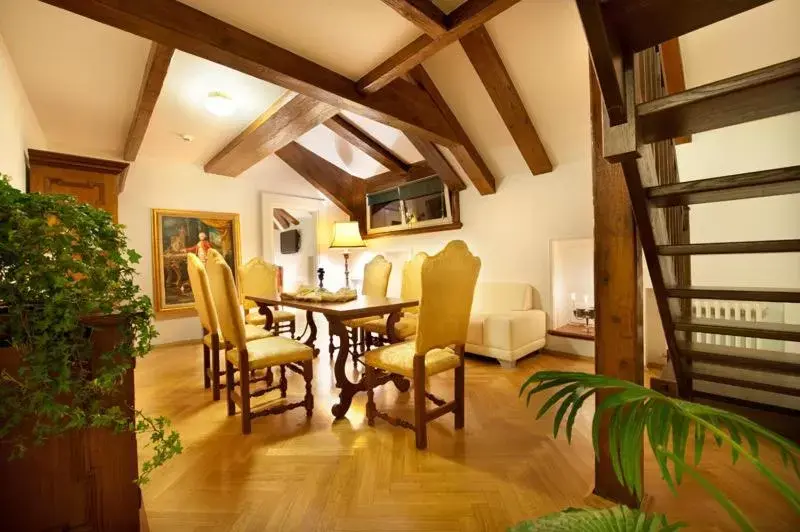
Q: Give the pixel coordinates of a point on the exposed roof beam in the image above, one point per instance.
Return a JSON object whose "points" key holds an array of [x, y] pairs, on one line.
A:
{"points": [[468, 16], [177, 25], [282, 223], [487, 62], [275, 226], [386, 180], [152, 81], [359, 139], [465, 153], [334, 183], [287, 118], [672, 68], [437, 161], [422, 13], [287, 216]]}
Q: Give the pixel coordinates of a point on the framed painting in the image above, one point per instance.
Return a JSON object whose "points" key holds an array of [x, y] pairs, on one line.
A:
{"points": [[175, 235]]}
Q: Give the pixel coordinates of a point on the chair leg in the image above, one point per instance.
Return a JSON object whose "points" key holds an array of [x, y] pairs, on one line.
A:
{"points": [[292, 329], [283, 383], [244, 389], [459, 393], [367, 340], [206, 366], [215, 366], [369, 382], [229, 371], [308, 374], [420, 425]]}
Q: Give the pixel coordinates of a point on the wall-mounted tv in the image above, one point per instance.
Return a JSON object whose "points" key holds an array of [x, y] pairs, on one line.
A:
{"points": [[290, 241]]}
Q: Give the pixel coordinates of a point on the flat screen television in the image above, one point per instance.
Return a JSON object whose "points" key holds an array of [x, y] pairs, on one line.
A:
{"points": [[290, 241]]}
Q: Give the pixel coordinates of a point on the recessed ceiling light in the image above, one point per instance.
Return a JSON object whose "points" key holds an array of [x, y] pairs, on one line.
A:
{"points": [[220, 104]]}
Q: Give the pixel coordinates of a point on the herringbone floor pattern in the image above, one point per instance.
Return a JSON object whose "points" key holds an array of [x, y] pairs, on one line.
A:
{"points": [[290, 474]]}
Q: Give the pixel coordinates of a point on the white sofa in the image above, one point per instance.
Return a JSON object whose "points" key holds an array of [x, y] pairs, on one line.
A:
{"points": [[504, 325]]}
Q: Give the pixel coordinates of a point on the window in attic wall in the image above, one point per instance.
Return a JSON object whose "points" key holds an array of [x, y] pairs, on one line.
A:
{"points": [[421, 203]]}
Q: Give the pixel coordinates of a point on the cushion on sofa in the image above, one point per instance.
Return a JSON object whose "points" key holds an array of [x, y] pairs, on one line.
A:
{"points": [[493, 298]]}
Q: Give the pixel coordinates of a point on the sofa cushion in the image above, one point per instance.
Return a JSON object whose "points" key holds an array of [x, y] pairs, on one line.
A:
{"points": [[511, 330], [491, 298], [475, 329]]}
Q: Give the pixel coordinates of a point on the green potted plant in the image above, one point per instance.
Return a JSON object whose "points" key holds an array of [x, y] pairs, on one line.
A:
{"points": [[669, 423], [63, 265]]}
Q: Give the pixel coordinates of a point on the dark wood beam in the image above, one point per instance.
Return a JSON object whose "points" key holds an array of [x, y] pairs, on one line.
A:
{"points": [[334, 183], [437, 161], [280, 220], [487, 62], [361, 140], [386, 180], [422, 13], [617, 291], [287, 118], [468, 16], [152, 81], [179, 26], [465, 152], [672, 69], [275, 226], [291, 220]]}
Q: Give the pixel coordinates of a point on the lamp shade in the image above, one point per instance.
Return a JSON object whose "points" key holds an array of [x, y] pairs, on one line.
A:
{"points": [[347, 235]]}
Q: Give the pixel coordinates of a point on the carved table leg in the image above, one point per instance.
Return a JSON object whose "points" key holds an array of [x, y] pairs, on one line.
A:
{"points": [[265, 311], [312, 332]]}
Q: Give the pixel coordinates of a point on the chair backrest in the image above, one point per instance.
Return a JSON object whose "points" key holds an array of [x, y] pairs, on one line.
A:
{"points": [[448, 285], [223, 290], [257, 278], [376, 277], [201, 289], [411, 288]]}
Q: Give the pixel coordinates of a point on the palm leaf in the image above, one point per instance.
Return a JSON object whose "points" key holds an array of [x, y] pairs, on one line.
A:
{"points": [[634, 411], [609, 519]]}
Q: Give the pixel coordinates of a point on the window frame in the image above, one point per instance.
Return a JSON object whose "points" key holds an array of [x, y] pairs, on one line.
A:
{"points": [[405, 225]]}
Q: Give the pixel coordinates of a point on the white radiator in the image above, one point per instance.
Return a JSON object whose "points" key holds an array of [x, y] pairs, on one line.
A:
{"points": [[735, 311]]}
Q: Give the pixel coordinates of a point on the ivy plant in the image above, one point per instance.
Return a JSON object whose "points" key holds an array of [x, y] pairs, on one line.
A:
{"points": [[61, 261]]}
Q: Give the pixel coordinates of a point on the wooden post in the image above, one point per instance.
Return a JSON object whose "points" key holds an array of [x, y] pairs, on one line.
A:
{"points": [[617, 289]]}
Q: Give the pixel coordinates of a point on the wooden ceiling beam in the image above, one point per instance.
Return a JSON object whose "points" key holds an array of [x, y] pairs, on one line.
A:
{"points": [[464, 19], [419, 170], [152, 81], [422, 13], [361, 140], [282, 223], [672, 69], [334, 183], [287, 216], [284, 121], [180, 26], [465, 153], [487, 62], [437, 161]]}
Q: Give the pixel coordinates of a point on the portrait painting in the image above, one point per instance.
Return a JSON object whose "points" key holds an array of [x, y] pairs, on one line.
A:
{"points": [[175, 235]]}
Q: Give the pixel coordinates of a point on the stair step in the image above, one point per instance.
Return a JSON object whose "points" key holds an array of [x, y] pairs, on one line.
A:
{"points": [[743, 383], [640, 24], [772, 182], [726, 248], [750, 329], [776, 295], [762, 93], [739, 357]]}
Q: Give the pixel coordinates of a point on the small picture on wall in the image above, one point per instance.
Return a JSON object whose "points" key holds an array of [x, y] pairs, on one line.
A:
{"points": [[175, 235]]}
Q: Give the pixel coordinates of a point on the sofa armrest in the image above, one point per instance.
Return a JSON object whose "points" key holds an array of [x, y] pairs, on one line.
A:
{"points": [[510, 330]]}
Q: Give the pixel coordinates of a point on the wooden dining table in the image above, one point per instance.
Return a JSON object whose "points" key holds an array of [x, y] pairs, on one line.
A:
{"points": [[337, 314]]}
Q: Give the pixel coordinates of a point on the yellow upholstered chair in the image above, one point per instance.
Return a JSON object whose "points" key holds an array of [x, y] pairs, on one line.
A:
{"points": [[376, 282], [410, 288], [212, 335], [448, 284], [247, 355], [260, 278]]}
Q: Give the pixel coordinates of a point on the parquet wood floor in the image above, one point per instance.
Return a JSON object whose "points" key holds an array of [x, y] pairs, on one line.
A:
{"points": [[290, 474]]}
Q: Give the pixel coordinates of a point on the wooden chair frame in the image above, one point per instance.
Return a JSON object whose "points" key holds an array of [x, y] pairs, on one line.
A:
{"points": [[211, 367], [422, 416]]}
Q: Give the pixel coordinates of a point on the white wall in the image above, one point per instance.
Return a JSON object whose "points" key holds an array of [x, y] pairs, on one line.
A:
{"points": [[19, 128], [157, 183], [298, 268]]}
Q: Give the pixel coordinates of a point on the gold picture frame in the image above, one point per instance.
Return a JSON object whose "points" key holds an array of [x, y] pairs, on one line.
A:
{"points": [[177, 233]]}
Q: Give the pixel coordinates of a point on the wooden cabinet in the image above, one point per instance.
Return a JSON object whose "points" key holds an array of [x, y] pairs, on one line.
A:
{"points": [[93, 181]]}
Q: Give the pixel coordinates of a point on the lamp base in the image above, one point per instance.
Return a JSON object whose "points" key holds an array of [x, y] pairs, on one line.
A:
{"points": [[346, 270]]}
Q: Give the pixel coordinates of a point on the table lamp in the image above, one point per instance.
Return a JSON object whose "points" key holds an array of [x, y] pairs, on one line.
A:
{"points": [[346, 236]]}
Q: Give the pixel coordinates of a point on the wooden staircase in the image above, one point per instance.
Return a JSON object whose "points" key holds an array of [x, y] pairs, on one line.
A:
{"points": [[639, 124]]}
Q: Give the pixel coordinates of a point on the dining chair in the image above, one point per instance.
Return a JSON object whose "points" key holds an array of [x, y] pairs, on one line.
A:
{"points": [[245, 356], [406, 326], [448, 284], [376, 283], [260, 278], [209, 320]]}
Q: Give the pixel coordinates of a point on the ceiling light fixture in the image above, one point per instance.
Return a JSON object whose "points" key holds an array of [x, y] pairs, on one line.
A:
{"points": [[220, 104]]}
